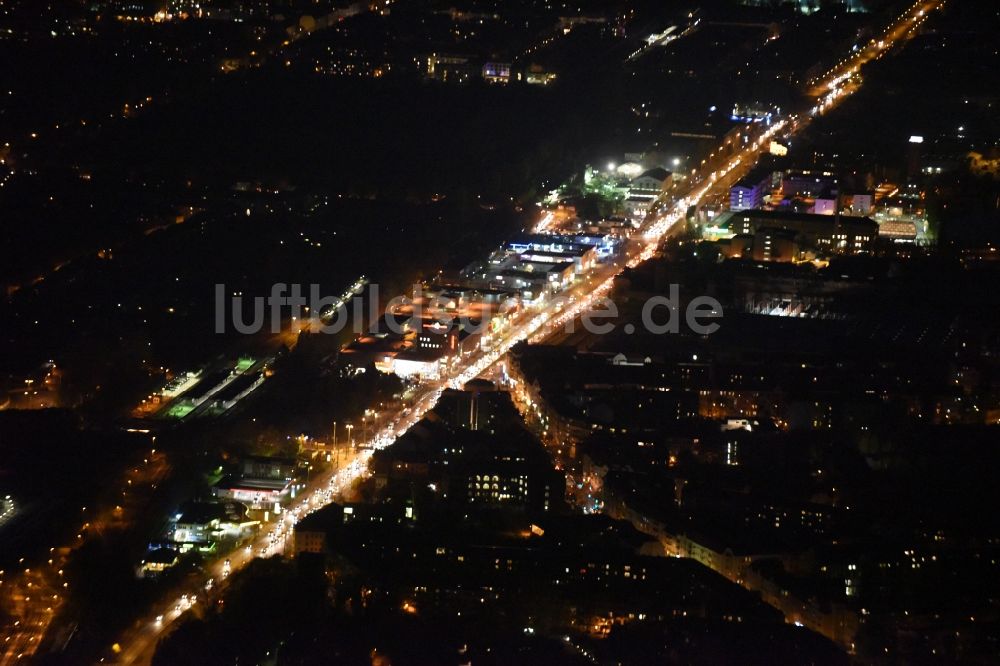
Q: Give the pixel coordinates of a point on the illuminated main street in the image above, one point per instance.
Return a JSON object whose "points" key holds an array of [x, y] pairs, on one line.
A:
{"points": [[138, 645], [905, 27], [666, 219]]}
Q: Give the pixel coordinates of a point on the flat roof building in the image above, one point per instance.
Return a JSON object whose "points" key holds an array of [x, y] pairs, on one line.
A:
{"points": [[834, 233]]}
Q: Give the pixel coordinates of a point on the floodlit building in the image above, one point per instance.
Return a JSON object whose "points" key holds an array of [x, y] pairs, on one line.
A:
{"points": [[204, 522], [450, 68], [538, 76], [837, 234], [415, 363], [652, 181], [261, 484], [824, 205], [862, 203], [748, 193], [584, 249], [496, 72], [157, 561], [899, 230], [637, 206]]}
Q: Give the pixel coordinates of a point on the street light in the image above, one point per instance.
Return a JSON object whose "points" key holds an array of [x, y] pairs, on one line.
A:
{"points": [[350, 434]]}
